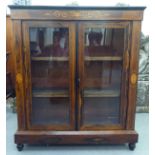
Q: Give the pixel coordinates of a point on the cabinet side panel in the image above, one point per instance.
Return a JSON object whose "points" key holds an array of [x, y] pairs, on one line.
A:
{"points": [[11, 58], [17, 50], [133, 74]]}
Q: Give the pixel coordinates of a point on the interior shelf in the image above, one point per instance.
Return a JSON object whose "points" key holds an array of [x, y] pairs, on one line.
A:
{"points": [[50, 93], [101, 93], [49, 58], [103, 58]]}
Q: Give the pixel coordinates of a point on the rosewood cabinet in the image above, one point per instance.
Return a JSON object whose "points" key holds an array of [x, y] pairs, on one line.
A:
{"points": [[76, 74]]}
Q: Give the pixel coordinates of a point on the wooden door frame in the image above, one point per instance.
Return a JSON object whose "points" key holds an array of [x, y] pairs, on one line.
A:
{"points": [[124, 79], [133, 74], [27, 67]]}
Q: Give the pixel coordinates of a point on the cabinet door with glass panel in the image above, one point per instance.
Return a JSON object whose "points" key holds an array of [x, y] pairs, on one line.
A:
{"points": [[103, 68], [49, 67]]}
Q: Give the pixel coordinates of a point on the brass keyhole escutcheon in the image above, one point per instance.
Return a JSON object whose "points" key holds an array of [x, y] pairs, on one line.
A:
{"points": [[133, 79]]}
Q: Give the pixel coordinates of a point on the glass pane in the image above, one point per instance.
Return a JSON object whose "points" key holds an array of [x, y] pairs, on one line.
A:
{"points": [[50, 111], [105, 110], [102, 75], [49, 75]]}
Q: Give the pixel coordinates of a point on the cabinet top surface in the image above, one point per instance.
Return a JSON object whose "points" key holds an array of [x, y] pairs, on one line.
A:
{"points": [[78, 7]]}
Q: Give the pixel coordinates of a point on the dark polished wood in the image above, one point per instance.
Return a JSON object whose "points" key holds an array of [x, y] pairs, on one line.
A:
{"points": [[76, 137], [76, 74], [20, 75], [36, 7], [133, 74]]}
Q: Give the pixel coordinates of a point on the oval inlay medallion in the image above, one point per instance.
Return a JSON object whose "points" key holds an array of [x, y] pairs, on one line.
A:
{"points": [[19, 78], [133, 79]]}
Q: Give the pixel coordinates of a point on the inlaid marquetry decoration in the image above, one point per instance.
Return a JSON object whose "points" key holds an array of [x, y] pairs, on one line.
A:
{"points": [[19, 78], [133, 78]]}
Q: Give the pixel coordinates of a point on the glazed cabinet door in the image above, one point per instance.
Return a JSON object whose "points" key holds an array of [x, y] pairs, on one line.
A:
{"points": [[49, 57], [103, 75]]}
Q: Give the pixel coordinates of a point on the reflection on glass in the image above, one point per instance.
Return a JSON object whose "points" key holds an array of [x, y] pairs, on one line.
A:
{"points": [[49, 41], [102, 75], [104, 42], [49, 75]]}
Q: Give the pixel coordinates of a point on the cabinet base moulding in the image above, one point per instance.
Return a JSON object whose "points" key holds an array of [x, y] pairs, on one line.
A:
{"points": [[76, 137]]}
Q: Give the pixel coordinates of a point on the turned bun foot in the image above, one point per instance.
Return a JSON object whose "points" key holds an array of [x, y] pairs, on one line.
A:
{"points": [[132, 146], [20, 147]]}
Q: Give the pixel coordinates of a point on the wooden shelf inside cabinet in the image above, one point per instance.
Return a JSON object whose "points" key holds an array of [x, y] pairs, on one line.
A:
{"points": [[49, 58], [50, 93], [101, 93], [104, 58]]}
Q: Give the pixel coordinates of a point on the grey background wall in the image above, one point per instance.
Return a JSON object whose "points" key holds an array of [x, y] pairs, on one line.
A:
{"points": [[143, 79]]}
